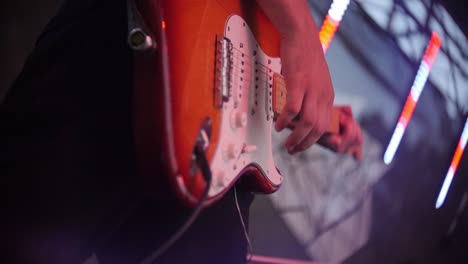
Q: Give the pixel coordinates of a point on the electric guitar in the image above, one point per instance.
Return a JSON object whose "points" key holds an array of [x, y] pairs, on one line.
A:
{"points": [[208, 73]]}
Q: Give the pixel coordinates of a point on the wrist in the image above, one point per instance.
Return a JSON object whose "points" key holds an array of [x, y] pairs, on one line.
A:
{"points": [[290, 17], [303, 25]]}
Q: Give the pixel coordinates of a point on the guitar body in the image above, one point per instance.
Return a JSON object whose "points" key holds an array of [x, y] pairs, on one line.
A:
{"points": [[209, 78]]}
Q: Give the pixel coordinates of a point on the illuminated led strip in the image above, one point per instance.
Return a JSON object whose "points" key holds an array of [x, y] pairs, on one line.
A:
{"points": [[416, 90], [453, 166], [331, 22]]}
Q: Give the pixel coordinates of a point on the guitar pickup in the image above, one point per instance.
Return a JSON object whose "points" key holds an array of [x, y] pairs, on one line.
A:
{"points": [[223, 70], [279, 94]]}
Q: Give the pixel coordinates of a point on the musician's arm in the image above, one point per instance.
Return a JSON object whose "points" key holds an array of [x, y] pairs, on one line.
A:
{"points": [[349, 138], [289, 16], [310, 91]]}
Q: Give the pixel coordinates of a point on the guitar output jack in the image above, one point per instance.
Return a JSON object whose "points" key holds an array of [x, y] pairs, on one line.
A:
{"points": [[203, 139], [140, 41]]}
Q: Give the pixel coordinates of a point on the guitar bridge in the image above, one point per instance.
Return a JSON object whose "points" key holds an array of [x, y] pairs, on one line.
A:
{"points": [[224, 62]]}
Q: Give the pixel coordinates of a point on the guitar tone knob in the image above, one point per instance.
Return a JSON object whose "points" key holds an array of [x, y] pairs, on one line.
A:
{"points": [[231, 151], [220, 179], [238, 119]]}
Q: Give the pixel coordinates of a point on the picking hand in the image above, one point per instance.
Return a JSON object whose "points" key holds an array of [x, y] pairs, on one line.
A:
{"points": [[310, 91], [308, 83], [349, 138]]}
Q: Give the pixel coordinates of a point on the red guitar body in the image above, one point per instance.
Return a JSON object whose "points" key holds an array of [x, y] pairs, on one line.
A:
{"points": [[175, 90], [209, 73]]}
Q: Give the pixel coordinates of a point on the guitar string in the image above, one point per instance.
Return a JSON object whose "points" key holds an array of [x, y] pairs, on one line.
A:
{"points": [[247, 60], [235, 81], [248, 57], [249, 68], [248, 64], [238, 73]]}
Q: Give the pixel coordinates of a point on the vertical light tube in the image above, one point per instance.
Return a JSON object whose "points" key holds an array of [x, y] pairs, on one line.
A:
{"points": [[453, 167], [421, 77], [332, 22]]}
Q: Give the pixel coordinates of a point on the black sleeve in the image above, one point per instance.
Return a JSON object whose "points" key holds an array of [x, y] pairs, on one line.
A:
{"points": [[66, 138], [66, 147]]}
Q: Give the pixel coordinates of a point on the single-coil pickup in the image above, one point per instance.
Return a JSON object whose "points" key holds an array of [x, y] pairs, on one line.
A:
{"points": [[223, 70]]}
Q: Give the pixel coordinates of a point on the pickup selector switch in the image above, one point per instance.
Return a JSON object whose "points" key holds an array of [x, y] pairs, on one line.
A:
{"points": [[249, 148]]}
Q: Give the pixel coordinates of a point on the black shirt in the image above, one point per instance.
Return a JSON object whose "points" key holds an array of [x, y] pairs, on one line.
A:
{"points": [[67, 154]]}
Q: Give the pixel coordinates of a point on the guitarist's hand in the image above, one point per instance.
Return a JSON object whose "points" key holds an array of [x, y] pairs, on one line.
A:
{"points": [[349, 138], [308, 82]]}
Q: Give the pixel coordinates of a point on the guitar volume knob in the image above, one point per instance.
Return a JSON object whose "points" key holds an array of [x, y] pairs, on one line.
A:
{"points": [[238, 119], [231, 151]]}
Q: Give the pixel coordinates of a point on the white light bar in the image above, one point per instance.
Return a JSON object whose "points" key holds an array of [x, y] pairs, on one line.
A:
{"points": [[453, 167], [332, 22], [418, 86]]}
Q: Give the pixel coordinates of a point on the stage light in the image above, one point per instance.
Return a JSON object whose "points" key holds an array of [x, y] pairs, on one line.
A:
{"points": [[453, 167], [331, 22], [418, 86]]}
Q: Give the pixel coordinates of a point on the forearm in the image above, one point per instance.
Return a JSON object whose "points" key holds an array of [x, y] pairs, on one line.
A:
{"points": [[289, 16]]}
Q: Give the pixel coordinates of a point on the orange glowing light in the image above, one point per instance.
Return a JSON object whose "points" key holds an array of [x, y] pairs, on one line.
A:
{"points": [[430, 55], [457, 156], [408, 109], [432, 49], [327, 31]]}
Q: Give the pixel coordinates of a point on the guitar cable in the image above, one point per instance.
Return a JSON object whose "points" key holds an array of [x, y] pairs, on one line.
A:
{"points": [[246, 233], [202, 163]]}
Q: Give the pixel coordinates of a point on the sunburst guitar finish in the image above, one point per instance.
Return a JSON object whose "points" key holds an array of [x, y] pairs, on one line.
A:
{"points": [[214, 77]]}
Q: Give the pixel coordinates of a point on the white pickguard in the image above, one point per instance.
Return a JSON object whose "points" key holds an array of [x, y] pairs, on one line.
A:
{"points": [[249, 106]]}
